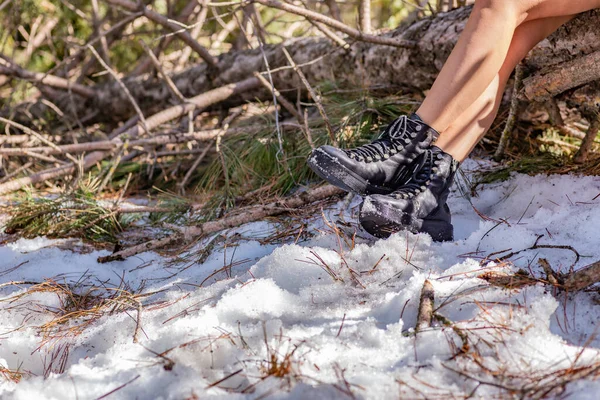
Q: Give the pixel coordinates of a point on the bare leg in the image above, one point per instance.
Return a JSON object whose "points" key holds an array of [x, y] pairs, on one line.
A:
{"points": [[481, 52], [463, 134]]}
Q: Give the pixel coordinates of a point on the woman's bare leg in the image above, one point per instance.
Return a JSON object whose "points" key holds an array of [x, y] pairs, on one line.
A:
{"points": [[463, 134], [481, 51]]}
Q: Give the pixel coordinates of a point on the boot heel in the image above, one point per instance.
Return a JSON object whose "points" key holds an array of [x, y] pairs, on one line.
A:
{"points": [[438, 225], [439, 230]]}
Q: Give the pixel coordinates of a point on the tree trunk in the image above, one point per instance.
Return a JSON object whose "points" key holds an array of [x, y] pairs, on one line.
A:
{"points": [[364, 65]]}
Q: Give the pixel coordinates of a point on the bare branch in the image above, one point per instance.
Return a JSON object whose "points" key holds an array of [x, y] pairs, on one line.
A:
{"points": [[512, 115], [251, 214], [122, 85], [353, 33], [314, 96], [38, 136], [169, 24], [11, 69], [203, 100], [588, 141], [425, 314], [159, 68], [364, 16], [331, 35]]}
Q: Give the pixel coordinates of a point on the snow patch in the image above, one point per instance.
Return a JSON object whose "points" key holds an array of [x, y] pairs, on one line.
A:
{"points": [[342, 318]]}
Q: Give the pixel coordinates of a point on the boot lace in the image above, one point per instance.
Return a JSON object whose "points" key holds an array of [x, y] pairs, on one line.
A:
{"points": [[420, 176], [391, 141]]}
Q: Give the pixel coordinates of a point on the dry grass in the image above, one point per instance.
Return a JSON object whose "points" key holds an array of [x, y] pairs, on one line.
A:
{"points": [[12, 375], [81, 305]]}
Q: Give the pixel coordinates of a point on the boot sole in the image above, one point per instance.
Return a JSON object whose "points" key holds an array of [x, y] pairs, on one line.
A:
{"points": [[375, 222], [329, 169]]}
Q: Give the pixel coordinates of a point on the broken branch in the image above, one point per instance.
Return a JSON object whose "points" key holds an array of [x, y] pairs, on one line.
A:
{"points": [[250, 214]]}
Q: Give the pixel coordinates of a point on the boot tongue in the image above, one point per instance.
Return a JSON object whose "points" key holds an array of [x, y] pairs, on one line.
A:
{"points": [[418, 174], [396, 130], [417, 171], [408, 175]]}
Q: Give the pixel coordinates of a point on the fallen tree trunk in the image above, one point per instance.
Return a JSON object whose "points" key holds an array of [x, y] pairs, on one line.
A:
{"points": [[363, 65]]}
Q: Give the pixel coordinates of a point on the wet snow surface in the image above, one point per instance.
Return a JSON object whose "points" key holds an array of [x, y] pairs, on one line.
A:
{"points": [[334, 334]]}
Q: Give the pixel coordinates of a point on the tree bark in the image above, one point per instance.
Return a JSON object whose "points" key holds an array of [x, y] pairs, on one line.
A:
{"points": [[363, 65]]}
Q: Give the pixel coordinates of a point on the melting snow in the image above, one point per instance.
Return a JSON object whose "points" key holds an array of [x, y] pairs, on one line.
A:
{"points": [[344, 333]]}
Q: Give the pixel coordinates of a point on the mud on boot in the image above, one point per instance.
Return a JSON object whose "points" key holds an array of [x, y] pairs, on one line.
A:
{"points": [[419, 205], [374, 168]]}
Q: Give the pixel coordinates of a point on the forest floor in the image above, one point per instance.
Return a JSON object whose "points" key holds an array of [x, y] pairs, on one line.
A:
{"points": [[322, 318]]}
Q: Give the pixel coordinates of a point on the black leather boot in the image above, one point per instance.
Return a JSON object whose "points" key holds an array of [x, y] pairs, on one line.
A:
{"points": [[377, 166], [419, 205]]}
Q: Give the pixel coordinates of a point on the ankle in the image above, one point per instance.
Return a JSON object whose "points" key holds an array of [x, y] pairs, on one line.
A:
{"points": [[428, 119], [457, 150]]}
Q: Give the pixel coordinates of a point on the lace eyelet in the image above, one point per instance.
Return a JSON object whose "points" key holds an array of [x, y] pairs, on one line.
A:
{"points": [[368, 159], [413, 135], [418, 128], [407, 141], [386, 156]]}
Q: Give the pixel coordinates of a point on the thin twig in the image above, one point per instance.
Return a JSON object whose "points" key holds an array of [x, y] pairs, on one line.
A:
{"points": [[192, 169], [38, 136], [250, 214], [117, 388], [353, 33], [282, 100], [314, 96], [11, 69], [202, 100], [134, 103], [172, 25], [170, 84]]}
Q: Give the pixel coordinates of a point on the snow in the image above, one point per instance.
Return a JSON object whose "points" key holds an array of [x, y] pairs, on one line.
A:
{"points": [[343, 317]]}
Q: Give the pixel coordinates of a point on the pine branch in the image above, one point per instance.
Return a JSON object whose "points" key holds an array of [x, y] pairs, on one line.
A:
{"points": [[251, 214]]}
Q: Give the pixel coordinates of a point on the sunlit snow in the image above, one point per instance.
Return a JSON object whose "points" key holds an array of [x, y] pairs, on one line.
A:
{"points": [[341, 318]]}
